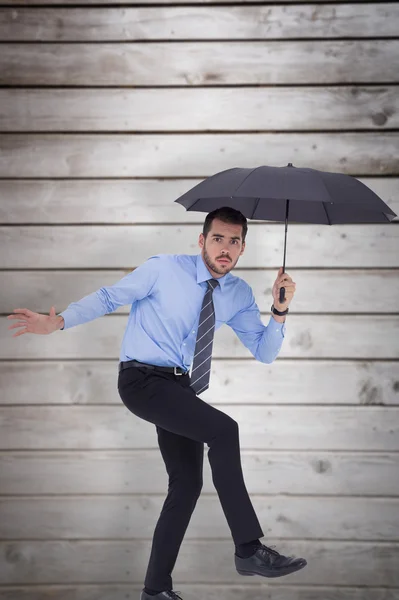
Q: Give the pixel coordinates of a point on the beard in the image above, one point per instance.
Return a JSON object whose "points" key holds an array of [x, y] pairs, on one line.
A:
{"points": [[214, 265]]}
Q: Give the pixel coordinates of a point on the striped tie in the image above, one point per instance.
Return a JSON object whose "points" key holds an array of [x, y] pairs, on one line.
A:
{"points": [[200, 373]]}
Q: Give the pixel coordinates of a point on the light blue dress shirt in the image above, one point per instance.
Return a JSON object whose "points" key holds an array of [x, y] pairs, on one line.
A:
{"points": [[166, 294]]}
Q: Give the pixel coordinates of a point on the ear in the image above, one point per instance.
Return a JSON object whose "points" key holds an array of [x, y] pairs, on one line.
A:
{"points": [[242, 248], [201, 240]]}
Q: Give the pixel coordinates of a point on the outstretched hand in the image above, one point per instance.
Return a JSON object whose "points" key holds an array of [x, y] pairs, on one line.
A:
{"points": [[33, 322]]}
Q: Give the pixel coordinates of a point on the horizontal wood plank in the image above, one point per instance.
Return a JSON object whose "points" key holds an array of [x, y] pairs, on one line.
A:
{"points": [[284, 382], [127, 246], [212, 591], [200, 109], [190, 155], [264, 427], [141, 2], [123, 201], [307, 336], [329, 562], [338, 290], [135, 471], [205, 63], [122, 517], [189, 23]]}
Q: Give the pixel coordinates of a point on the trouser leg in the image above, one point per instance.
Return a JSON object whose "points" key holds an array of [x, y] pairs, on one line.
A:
{"points": [[183, 459], [168, 402]]}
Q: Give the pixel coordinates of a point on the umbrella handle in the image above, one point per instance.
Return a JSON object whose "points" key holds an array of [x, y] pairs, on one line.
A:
{"points": [[282, 295]]}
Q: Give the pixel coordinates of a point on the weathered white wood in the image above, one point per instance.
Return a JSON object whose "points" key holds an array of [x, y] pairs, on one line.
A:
{"points": [[125, 561], [283, 382], [188, 23], [259, 591], [130, 2], [307, 336], [121, 517], [267, 427], [166, 109], [205, 63], [127, 246], [191, 155], [173, 155], [134, 471], [350, 291], [135, 201]]}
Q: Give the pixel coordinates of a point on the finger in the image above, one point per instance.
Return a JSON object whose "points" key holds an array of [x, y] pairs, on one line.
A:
{"points": [[20, 332], [287, 286], [18, 317], [24, 311], [287, 293], [17, 325], [285, 277]]}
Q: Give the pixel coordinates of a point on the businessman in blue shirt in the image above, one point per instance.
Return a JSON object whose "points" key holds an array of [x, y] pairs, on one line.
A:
{"points": [[177, 302]]}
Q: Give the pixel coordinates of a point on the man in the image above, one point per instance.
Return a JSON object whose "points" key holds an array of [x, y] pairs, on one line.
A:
{"points": [[178, 301]]}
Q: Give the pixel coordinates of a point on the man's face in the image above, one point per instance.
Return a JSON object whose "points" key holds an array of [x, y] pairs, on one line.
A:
{"points": [[222, 242]]}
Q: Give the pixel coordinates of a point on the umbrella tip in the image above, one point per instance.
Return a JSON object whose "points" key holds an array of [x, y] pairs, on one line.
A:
{"points": [[289, 165]]}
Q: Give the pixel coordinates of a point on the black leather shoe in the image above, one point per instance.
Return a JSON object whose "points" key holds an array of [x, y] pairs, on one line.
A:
{"points": [[268, 563], [165, 595]]}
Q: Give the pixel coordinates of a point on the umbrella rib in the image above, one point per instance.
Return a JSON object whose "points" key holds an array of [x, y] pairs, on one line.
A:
{"points": [[256, 206], [325, 210], [245, 178]]}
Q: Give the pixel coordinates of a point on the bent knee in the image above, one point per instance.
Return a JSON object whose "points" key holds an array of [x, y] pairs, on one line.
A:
{"points": [[228, 426]]}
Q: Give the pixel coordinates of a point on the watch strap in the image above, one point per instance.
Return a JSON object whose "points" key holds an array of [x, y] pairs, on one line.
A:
{"points": [[280, 313]]}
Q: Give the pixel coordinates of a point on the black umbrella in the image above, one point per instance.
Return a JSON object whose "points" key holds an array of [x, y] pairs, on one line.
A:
{"points": [[273, 193]]}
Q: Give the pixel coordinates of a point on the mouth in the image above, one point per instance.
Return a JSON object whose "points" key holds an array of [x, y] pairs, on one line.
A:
{"points": [[223, 261]]}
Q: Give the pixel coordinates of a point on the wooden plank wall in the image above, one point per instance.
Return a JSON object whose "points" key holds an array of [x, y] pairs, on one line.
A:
{"points": [[108, 111]]}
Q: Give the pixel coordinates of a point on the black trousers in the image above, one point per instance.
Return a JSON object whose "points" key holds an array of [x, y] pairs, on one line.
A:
{"points": [[184, 423]]}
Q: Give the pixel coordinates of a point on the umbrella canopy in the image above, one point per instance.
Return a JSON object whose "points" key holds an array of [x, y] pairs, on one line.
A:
{"points": [[315, 196], [300, 195]]}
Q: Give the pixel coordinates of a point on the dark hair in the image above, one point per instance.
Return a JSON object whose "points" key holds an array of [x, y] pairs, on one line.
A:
{"points": [[227, 215]]}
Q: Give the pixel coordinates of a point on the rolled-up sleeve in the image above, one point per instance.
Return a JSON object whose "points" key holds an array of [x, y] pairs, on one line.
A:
{"points": [[134, 286], [263, 341]]}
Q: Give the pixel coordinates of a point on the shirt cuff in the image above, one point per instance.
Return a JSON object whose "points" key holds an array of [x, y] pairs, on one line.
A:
{"points": [[66, 314], [276, 327]]}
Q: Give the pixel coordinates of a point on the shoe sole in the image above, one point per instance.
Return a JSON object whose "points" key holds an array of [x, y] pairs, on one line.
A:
{"points": [[279, 573]]}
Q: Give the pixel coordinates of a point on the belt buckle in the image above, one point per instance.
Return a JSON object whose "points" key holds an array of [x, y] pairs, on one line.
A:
{"points": [[174, 371]]}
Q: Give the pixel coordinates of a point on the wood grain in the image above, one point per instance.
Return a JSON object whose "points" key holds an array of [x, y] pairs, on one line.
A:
{"points": [[307, 336], [124, 201], [286, 381], [63, 472], [204, 63], [353, 291], [186, 23], [223, 591], [173, 155], [133, 516], [127, 246], [264, 427], [200, 109], [38, 562]]}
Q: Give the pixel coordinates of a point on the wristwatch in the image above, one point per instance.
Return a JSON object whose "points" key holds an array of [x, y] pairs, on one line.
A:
{"points": [[280, 313]]}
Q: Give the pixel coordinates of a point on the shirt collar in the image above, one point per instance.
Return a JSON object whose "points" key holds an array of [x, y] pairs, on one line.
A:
{"points": [[203, 274]]}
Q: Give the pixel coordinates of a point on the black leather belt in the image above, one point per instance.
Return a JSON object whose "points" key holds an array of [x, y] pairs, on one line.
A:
{"points": [[135, 363]]}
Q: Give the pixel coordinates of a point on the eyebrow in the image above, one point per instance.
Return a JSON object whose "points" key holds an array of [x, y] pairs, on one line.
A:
{"points": [[234, 237]]}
